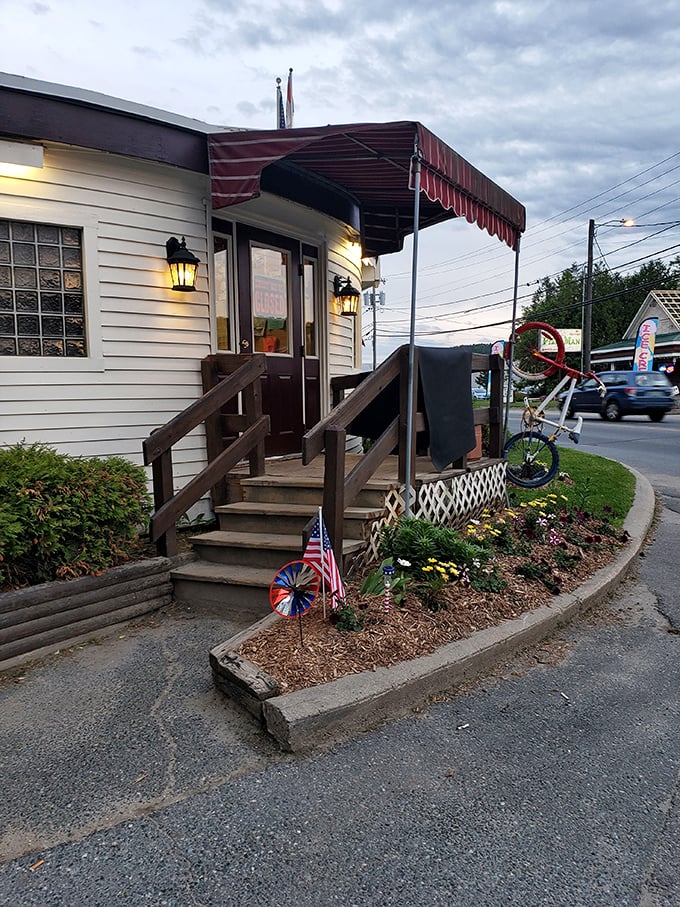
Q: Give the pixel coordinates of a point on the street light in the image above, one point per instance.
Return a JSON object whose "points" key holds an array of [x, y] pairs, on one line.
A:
{"points": [[588, 301]]}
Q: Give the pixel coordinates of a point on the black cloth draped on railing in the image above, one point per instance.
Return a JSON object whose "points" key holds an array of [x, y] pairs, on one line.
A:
{"points": [[444, 394], [445, 378]]}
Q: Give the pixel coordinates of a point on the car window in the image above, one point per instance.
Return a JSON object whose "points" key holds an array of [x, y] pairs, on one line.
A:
{"points": [[651, 379], [609, 379], [588, 384]]}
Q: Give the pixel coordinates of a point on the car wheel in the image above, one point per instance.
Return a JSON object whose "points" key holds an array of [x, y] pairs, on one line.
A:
{"points": [[657, 417], [611, 411], [571, 412]]}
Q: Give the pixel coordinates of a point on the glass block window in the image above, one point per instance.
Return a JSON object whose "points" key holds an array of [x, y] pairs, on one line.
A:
{"points": [[42, 306]]}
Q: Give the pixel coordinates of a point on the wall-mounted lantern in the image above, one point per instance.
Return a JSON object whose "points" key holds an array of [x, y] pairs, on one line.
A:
{"points": [[348, 297], [183, 265]]}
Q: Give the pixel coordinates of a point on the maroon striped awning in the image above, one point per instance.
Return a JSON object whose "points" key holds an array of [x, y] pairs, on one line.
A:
{"points": [[372, 164]]}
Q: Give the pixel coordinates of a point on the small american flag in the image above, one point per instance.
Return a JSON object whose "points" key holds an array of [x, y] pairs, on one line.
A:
{"points": [[290, 105], [280, 112], [321, 557]]}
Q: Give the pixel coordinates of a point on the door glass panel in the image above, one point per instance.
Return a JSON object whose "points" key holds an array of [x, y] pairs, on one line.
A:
{"points": [[270, 299], [221, 294], [308, 290]]}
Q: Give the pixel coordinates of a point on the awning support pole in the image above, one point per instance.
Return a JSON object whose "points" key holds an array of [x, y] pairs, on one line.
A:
{"points": [[509, 395], [412, 335]]}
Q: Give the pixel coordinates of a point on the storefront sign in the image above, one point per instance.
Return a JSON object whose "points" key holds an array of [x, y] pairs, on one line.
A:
{"points": [[570, 336]]}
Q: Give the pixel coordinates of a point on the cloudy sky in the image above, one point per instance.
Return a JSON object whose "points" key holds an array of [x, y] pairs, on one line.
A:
{"points": [[572, 107]]}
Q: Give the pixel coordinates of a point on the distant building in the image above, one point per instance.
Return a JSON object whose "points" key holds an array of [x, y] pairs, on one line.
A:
{"points": [[661, 304]]}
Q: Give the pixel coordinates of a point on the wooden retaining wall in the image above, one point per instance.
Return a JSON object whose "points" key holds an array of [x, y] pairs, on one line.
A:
{"points": [[50, 615]]}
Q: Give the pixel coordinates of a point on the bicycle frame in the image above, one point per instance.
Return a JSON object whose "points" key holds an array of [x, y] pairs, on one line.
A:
{"points": [[537, 413]]}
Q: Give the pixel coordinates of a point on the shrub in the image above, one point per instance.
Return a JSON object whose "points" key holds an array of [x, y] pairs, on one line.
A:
{"points": [[419, 542], [62, 517]]}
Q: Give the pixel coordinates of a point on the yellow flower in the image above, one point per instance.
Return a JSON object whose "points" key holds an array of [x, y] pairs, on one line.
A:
{"points": [[427, 569], [432, 560]]}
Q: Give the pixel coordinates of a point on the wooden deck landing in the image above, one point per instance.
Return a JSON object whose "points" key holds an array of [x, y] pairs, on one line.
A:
{"points": [[291, 468]]}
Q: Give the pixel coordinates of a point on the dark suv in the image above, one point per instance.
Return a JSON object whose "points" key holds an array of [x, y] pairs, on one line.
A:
{"points": [[628, 394]]}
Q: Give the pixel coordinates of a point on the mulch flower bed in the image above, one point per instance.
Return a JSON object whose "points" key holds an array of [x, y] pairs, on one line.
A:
{"points": [[537, 551]]}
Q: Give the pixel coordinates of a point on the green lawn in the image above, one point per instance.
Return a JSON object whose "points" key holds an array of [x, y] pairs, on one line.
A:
{"points": [[593, 484]]}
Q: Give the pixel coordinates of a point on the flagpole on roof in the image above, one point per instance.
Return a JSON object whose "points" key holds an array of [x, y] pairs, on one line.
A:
{"points": [[290, 106], [415, 160], [280, 112]]}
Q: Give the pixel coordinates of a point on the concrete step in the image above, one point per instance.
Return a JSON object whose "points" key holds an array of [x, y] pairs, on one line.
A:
{"points": [[255, 549], [308, 490], [221, 588], [289, 519]]}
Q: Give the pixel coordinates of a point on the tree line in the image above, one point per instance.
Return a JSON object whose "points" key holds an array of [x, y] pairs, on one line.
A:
{"points": [[616, 297]]}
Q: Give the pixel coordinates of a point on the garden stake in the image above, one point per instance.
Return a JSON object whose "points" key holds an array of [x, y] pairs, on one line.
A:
{"points": [[388, 573]]}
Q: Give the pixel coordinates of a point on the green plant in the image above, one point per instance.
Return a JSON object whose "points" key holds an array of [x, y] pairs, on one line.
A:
{"points": [[539, 571], [63, 516], [488, 580], [417, 541], [564, 560], [429, 592], [346, 619]]}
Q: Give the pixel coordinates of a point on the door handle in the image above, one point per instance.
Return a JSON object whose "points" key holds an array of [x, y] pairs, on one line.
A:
{"points": [[245, 344]]}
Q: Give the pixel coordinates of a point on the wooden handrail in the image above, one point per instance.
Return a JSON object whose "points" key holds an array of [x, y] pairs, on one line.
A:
{"points": [[368, 385], [157, 448], [330, 434], [162, 439]]}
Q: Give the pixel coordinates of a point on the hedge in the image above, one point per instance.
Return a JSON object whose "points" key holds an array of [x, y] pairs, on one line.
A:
{"points": [[62, 517]]}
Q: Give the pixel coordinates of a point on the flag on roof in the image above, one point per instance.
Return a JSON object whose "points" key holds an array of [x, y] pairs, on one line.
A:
{"points": [[290, 105], [319, 554], [280, 112]]}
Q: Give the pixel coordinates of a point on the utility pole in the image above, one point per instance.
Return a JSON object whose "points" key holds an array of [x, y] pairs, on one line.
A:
{"points": [[588, 302], [375, 332], [376, 299]]}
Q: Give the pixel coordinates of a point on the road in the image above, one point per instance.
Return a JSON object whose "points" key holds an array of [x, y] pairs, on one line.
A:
{"points": [[553, 781]]}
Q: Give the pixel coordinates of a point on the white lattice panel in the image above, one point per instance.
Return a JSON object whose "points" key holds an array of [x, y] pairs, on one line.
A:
{"points": [[448, 502]]}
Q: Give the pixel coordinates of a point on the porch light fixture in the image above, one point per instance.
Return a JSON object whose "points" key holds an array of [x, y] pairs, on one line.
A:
{"points": [[183, 265], [348, 297]]}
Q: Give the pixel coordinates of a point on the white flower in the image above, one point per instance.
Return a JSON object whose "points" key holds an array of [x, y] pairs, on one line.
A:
{"points": [[403, 563]]}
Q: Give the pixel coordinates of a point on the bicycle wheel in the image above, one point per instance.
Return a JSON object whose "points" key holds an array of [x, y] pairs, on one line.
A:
{"points": [[528, 342], [532, 459]]}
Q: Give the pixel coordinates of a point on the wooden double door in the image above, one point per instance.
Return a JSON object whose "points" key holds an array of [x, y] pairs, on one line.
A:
{"points": [[279, 285]]}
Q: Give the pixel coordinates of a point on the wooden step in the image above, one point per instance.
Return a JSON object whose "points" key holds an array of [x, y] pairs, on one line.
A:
{"points": [[255, 549], [221, 582], [288, 519], [308, 490]]}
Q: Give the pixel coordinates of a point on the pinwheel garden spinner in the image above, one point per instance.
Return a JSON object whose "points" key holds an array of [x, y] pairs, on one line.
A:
{"points": [[293, 590]]}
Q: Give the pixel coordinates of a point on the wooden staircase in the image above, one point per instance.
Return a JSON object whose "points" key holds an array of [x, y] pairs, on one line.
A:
{"points": [[236, 563]]}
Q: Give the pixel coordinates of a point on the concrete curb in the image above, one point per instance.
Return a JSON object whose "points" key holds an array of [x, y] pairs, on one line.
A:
{"points": [[334, 711]]}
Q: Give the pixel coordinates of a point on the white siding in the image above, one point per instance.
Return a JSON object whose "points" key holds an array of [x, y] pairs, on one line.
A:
{"points": [[146, 342]]}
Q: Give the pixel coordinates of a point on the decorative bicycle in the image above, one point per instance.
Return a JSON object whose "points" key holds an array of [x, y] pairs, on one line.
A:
{"points": [[531, 455]]}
